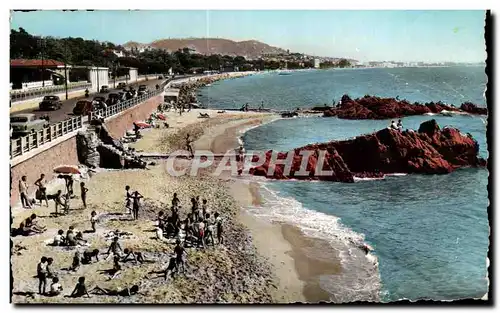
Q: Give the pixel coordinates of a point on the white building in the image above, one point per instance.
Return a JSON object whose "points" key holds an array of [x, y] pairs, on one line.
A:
{"points": [[316, 63]]}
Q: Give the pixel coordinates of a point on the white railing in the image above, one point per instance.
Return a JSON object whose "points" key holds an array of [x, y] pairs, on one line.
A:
{"points": [[34, 140], [21, 95], [122, 106]]}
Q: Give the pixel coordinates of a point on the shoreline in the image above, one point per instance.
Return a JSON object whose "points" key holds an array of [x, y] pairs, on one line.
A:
{"points": [[294, 256]]}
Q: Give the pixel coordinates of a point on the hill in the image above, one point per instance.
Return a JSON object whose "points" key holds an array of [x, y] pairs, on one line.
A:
{"points": [[248, 48]]}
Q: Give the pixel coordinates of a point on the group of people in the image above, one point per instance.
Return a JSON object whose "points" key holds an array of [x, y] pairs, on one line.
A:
{"points": [[398, 126], [197, 229], [60, 199]]}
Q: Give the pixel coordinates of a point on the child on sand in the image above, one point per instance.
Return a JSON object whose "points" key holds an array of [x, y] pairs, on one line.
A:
{"points": [[41, 270], [83, 194], [76, 262], [88, 255], [55, 287], [93, 220], [114, 248], [80, 289], [59, 238]]}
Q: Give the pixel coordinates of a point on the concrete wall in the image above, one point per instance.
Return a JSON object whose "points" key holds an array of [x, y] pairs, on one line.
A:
{"points": [[120, 123], [33, 103], [133, 74], [98, 77], [44, 162]]}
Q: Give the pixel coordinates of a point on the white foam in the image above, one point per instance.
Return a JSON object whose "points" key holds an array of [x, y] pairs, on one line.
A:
{"points": [[396, 174], [312, 223], [368, 178]]}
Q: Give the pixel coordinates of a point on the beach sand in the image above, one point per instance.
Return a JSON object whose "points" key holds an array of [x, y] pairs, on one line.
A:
{"points": [[260, 262]]}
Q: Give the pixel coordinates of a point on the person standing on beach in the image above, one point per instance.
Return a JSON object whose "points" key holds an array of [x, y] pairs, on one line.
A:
{"points": [[42, 190], [114, 248], [179, 255], [93, 220], [23, 190], [83, 194], [41, 271], [128, 199], [136, 204], [189, 148], [218, 221], [175, 201]]}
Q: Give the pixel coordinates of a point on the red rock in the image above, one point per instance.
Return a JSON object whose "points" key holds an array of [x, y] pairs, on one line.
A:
{"points": [[473, 109], [370, 107], [428, 151]]}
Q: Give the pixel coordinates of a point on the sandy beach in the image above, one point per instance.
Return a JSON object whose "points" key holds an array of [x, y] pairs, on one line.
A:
{"points": [[260, 262]]}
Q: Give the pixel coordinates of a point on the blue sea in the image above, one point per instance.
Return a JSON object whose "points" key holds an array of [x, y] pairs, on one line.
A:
{"points": [[429, 233]]}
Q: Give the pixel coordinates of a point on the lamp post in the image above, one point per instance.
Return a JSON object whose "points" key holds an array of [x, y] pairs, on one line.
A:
{"points": [[66, 70], [42, 44]]}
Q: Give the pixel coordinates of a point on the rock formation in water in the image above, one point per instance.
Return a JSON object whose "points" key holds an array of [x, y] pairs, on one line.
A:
{"points": [[430, 150], [370, 107], [473, 109]]}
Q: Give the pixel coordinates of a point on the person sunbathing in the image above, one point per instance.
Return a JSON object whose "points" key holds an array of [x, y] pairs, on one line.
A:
{"points": [[59, 239], [33, 225], [126, 292]]}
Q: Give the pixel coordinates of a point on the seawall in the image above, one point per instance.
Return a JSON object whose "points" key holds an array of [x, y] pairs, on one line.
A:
{"points": [[64, 152]]}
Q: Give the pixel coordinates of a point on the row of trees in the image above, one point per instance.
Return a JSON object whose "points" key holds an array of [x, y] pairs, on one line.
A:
{"points": [[79, 51]]}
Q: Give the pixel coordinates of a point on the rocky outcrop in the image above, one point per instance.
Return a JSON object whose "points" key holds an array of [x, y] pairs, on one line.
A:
{"points": [[97, 148], [431, 150], [86, 147], [370, 107], [473, 109]]}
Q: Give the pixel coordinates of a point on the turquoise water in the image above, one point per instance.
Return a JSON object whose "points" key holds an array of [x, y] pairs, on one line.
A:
{"points": [[429, 233]]}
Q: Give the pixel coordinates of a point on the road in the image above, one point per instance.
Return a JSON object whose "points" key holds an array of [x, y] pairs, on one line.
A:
{"points": [[67, 109]]}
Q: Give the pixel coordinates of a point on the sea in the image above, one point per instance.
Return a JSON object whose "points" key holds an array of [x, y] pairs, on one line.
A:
{"points": [[429, 233]]}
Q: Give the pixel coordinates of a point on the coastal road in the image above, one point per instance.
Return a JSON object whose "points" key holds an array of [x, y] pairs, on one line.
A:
{"points": [[67, 109]]}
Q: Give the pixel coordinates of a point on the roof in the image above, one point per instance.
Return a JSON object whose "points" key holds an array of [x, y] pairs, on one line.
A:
{"points": [[33, 63], [22, 115]]}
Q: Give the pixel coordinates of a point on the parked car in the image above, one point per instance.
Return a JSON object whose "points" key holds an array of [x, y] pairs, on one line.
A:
{"points": [[160, 77], [142, 90], [104, 89], [113, 98], [83, 107], [99, 102], [50, 103], [23, 124], [121, 85]]}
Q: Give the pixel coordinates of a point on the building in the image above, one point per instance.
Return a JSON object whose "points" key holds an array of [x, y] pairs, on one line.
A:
{"points": [[316, 63]]}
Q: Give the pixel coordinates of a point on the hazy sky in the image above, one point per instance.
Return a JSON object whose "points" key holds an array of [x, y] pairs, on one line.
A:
{"points": [[364, 35]]}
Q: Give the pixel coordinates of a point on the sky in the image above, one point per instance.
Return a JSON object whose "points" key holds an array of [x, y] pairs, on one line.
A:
{"points": [[428, 36]]}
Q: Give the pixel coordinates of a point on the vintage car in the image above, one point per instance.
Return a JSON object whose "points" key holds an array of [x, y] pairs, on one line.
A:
{"points": [[50, 103], [23, 124], [121, 85], [142, 90], [83, 107], [99, 102], [104, 89], [113, 98]]}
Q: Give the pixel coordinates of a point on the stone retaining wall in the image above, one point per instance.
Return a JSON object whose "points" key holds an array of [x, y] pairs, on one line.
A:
{"points": [[44, 162], [117, 125]]}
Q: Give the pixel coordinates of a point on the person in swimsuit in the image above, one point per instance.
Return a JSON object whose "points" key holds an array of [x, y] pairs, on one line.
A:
{"points": [[42, 189], [126, 292], [128, 197], [114, 248], [83, 194], [189, 148], [179, 255], [175, 201], [80, 289], [93, 220], [23, 191], [218, 221], [41, 270], [55, 287], [75, 265], [136, 204], [201, 232], [88, 255]]}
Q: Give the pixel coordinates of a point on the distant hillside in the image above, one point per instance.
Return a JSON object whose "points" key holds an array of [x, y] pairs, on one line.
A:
{"points": [[249, 48]]}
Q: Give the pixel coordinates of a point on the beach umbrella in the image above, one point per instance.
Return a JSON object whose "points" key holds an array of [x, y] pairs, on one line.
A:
{"points": [[162, 117], [142, 124], [67, 169]]}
